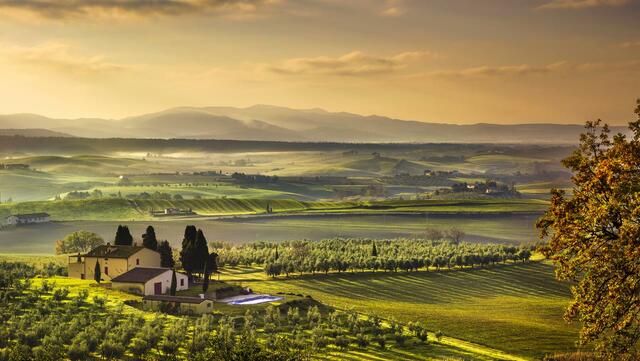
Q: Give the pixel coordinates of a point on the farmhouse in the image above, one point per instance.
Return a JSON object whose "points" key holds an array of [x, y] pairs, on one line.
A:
{"points": [[188, 305], [149, 281], [170, 211], [113, 261], [30, 218], [13, 166]]}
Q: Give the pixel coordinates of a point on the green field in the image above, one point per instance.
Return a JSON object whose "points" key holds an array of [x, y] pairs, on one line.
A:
{"points": [[127, 209], [209, 190], [514, 308], [51, 175]]}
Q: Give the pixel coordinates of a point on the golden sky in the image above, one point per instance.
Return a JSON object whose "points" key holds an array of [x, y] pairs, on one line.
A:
{"points": [[453, 61]]}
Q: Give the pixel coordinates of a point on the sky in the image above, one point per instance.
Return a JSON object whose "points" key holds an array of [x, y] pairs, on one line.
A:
{"points": [[449, 61]]}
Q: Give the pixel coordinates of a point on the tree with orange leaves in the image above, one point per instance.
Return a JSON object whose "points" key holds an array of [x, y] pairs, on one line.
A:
{"points": [[594, 239]]}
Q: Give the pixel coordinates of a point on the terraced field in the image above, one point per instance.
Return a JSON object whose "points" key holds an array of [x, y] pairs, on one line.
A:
{"points": [[514, 308]]}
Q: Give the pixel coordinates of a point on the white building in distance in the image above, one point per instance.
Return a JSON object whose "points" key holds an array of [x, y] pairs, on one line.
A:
{"points": [[30, 218]]}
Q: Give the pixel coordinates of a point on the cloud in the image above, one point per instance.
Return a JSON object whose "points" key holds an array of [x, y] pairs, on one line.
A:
{"points": [[581, 4], [626, 65], [393, 8], [355, 63], [630, 44], [62, 9], [527, 69], [57, 56]]}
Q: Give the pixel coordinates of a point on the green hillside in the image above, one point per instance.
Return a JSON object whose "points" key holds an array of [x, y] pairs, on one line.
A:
{"points": [[127, 209], [94, 164], [515, 308]]}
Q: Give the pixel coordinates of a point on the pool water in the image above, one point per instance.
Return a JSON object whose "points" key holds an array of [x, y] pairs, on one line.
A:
{"points": [[255, 300]]}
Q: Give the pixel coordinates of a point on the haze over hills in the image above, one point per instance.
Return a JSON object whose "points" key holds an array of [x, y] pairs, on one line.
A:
{"points": [[264, 122], [33, 132]]}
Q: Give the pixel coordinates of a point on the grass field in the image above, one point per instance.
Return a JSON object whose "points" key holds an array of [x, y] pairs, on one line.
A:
{"points": [[213, 190], [517, 309], [126, 209]]}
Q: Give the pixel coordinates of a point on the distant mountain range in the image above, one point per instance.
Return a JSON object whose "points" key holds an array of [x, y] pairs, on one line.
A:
{"points": [[33, 132], [264, 122]]}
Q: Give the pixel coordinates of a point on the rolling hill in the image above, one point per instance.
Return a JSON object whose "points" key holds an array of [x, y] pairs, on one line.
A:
{"points": [[33, 133], [264, 122]]}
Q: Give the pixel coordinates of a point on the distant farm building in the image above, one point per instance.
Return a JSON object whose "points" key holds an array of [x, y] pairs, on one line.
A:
{"points": [[14, 166], [31, 218], [113, 261], [149, 281], [172, 212], [177, 304]]}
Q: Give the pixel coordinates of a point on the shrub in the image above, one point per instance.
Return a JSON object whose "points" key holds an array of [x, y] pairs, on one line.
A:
{"points": [[400, 338], [78, 351], [60, 294], [111, 350], [99, 301], [363, 340], [341, 342]]}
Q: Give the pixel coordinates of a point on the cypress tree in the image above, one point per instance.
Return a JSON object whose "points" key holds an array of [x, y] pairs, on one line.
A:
{"points": [[374, 250], [212, 264], [201, 251], [96, 272], [166, 255], [277, 256], [188, 247], [123, 236], [205, 270], [174, 283], [149, 239]]}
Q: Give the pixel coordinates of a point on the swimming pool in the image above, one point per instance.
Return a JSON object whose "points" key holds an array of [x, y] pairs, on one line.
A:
{"points": [[255, 300]]}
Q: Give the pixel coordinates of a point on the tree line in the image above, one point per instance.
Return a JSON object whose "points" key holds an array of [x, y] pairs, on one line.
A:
{"points": [[358, 255]]}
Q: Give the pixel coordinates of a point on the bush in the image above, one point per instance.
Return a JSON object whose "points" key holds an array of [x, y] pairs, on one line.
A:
{"points": [[78, 351], [111, 350], [400, 338], [60, 294], [363, 340], [341, 342], [99, 301]]}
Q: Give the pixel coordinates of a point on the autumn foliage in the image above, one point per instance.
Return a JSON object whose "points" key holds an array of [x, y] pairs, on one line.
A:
{"points": [[594, 238]]}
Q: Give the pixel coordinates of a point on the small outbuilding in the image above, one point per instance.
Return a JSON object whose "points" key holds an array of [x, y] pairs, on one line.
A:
{"points": [[178, 304], [149, 281], [30, 218]]}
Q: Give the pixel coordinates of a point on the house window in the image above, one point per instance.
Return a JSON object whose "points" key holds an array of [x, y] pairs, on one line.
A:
{"points": [[182, 282], [208, 305], [106, 270], [137, 261]]}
